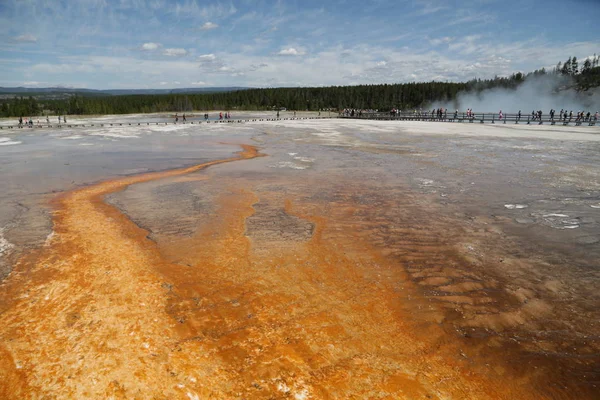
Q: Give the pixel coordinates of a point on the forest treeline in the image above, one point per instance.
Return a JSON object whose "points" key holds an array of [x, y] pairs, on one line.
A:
{"points": [[381, 97]]}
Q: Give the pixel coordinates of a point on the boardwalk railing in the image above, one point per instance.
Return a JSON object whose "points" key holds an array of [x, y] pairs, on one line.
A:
{"points": [[151, 123], [491, 118]]}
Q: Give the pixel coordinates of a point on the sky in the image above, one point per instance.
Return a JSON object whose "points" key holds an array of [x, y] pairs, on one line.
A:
{"points": [[121, 44]]}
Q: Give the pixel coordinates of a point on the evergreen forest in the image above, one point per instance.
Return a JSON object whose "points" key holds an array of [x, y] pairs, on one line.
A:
{"points": [[381, 97]]}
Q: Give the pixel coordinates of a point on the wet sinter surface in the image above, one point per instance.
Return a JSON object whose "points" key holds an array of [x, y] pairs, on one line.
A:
{"points": [[354, 260]]}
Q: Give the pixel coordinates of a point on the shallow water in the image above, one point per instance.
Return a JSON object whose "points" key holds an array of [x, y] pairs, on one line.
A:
{"points": [[354, 259]]}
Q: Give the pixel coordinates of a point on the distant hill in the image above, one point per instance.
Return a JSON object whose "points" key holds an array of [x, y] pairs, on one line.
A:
{"points": [[62, 91]]}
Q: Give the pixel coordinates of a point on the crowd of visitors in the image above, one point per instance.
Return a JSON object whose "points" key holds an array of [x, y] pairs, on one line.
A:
{"points": [[442, 114]]}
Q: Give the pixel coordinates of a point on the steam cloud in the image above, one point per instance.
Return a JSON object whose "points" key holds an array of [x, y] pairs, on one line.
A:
{"points": [[541, 92]]}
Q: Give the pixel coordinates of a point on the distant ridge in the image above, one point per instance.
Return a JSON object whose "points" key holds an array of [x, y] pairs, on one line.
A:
{"points": [[114, 92]]}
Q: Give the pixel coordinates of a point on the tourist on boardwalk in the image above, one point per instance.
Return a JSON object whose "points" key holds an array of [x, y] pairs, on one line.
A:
{"points": [[183, 117]]}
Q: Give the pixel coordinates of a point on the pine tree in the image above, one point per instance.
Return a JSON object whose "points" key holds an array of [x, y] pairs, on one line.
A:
{"points": [[566, 69], [587, 66]]}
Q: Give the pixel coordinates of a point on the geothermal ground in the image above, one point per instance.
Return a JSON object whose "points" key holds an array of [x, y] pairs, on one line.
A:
{"points": [[307, 259]]}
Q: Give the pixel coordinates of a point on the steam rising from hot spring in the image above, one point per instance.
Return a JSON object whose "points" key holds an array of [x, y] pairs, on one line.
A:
{"points": [[542, 92]]}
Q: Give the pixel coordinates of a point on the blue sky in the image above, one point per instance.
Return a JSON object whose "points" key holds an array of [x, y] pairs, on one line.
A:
{"points": [[106, 44]]}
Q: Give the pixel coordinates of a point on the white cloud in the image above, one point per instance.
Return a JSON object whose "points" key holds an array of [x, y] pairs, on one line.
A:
{"points": [[199, 83], [27, 38], [63, 68], [468, 17], [192, 9], [431, 10], [163, 83], [209, 63], [150, 46], [175, 52], [218, 11], [209, 25], [206, 57], [442, 40], [291, 51]]}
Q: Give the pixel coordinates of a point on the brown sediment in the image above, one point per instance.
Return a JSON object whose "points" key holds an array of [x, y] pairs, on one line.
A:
{"points": [[238, 312]]}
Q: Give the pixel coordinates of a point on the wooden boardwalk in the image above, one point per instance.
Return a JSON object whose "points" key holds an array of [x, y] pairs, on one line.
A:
{"points": [[148, 123], [482, 118]]}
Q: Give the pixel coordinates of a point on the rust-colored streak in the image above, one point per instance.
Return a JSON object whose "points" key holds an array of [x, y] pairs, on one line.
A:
{"points": [[88, 320], [102, 312]]}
